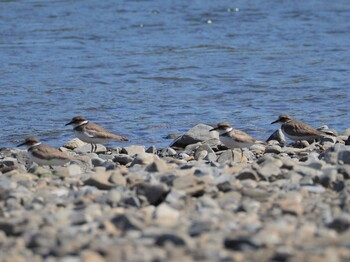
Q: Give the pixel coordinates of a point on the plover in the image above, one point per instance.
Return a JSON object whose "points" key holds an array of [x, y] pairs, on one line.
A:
{"points": [[92, 133], [297, 130], [233, 138], [44, 154]]}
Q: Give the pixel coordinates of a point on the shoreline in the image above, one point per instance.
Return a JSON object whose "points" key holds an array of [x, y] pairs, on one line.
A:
{"points": [[199, 202]]}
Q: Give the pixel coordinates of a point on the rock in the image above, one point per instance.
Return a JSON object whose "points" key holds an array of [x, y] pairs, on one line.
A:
{"points": [[173, 239], [100, 180], [247, 174], [134, 150], [274, 149], [10, 161], [155, 194], [151, 150], [96, 161], [198, 133], [117, 179], [143, 159], [229, 156], [291, 203], [74, 170], [340, 223], [125, 222], [74, 143], [6, 185], [122, 159], [91, 256], [159, 165], [168, 151], [166, 215], [87, 148], [239, 243], [192, 185], [278, 136], [114, 196]]}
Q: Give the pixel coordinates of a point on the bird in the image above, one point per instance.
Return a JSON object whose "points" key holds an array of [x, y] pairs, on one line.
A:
{"points": [[92, 133], [297, 130], [43, 154], [233, 138]]}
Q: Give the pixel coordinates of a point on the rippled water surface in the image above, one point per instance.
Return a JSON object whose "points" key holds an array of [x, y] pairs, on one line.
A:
{"points": [[144, 69]]}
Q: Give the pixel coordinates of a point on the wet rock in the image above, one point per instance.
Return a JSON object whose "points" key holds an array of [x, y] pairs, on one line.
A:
{"points": [[198, 133]]}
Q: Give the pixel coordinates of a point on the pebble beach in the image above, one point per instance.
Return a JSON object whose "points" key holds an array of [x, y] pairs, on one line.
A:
{"points": [[192, 201]]}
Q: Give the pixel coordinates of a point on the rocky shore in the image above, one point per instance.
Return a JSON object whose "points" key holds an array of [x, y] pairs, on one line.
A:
{"points": [[193, 201]]}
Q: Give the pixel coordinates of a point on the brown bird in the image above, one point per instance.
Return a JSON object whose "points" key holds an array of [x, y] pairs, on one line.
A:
{"points": [[297, 130], [44, 154], [92, 133]]}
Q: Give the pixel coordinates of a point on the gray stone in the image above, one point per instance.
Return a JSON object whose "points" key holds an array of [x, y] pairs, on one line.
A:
{"points": [[166, 215], [277, 136], [166, 239], [192, 185], [117, 179], [143, 159], [74, 170], [114, 196], [229, 156], [198, 133], [100, 180], [122, 159], [167, 151], [274, 149], [341, 223], [151, 150], [10, 161], [159, 165], [126, 222], [74, 143], [87, 148], [96, 161], [155, 194], [247, 174], [6, 185], [134, 150]]}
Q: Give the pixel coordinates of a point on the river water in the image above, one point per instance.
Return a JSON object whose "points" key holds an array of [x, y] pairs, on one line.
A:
{"points": [[145, 69]]}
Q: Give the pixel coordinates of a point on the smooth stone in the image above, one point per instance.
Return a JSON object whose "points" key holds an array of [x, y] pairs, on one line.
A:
{"points": [[277, 136], [6, 185], [122, 159], [96, 161], [155, 194], [126, 222], [340, 223], [192, 185], [229, 156], [151, 150], [258, 149], [198, 133], [86, 148], [167, 151], [117, 179], [291, 203], [100, 180], [166, 239], [74, 170], [274, 149], [143, 159], [134, 150], [9, 161], [159, 165], [176, 198], [74, 143], [114, 196], [247, 173], [166, 215], [314, 189], [200, 155]]}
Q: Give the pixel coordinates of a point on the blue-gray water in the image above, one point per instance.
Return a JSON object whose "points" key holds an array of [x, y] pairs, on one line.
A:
{"points": [[144, 69]]}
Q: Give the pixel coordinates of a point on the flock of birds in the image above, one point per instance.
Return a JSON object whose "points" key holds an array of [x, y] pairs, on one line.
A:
{"points": [[94, 134]]}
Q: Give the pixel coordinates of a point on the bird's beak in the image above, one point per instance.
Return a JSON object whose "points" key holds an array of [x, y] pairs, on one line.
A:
{"points": [[214, 129], [69, 123], [274, 122], [21, 144]]}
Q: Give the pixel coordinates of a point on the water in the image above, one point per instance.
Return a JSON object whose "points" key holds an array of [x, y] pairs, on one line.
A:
{"points": [[145, 69]]}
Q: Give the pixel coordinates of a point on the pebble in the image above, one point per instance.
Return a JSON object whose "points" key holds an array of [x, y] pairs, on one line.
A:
{"points": [[197, 201]]}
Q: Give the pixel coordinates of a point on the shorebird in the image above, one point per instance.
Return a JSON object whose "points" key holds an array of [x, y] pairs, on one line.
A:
{"points": [[233, 138], [297, 130], [92, 133], [44, 154]]}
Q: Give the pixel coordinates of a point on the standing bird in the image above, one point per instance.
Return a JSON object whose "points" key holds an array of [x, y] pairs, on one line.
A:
{"points": [[233, 138], [297, 130], [44, 154], [92, 133]]}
